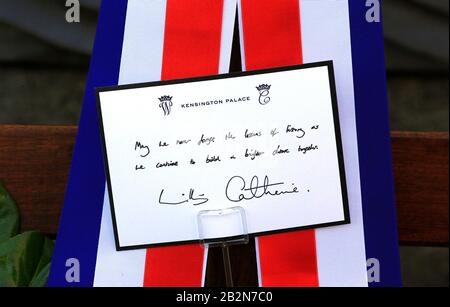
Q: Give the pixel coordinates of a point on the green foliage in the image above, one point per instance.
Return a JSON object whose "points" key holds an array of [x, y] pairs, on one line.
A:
{"points": [[9, 216], [24, 258]]}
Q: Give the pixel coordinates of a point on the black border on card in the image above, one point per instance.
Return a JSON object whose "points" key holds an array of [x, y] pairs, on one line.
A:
{"points": [[328, 64]]}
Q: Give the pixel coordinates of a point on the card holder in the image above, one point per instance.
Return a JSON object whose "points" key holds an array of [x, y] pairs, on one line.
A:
{"points": [[222, 228]]}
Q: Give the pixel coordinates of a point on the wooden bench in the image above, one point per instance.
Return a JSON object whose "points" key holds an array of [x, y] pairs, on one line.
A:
{"points": [[35, 162]]}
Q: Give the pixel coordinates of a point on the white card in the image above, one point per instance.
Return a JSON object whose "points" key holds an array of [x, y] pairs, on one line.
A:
{"points": [[266, 141]]}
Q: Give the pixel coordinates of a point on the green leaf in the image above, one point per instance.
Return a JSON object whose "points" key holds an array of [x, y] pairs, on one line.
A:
{"points": [[24, 260], [9, 215], [40, 280], [42, 270]]}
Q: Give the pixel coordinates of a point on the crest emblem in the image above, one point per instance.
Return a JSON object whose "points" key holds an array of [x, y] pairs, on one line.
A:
{"points": [[166, 104], [263, 90]]}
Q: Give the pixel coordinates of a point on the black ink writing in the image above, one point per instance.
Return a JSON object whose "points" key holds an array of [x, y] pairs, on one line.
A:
{"points": [[199, 200], [212, 159], [237, 189], [183, 142], [280, 150], [229, 136], [304, 150], [249, 134], [299, 132], [144, 150], [273, 132], [206, 141], [166, 164], [253, 153]]}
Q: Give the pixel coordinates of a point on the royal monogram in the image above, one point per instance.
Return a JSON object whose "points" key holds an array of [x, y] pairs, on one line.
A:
{"points": [[263, 90], [166, 104]]}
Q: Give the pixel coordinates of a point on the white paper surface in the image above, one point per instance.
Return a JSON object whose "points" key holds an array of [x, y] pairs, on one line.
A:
{"points": [[156, 204]]}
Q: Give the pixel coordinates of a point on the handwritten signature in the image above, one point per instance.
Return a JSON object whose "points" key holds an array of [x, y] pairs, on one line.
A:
{"points": [[199, 200], [237, 189]]}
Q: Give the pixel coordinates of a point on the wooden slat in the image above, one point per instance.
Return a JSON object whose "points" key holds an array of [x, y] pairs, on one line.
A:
{"points": [[421, 186], [34, 164], [34, 167]]}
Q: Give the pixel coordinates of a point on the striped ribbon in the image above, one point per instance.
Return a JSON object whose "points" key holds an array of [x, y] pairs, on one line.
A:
{"points": [[272, 38], [178, 39], [191, 48], [284, 259]]}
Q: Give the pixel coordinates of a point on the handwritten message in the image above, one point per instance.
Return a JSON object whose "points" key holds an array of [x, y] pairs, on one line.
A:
{"points": [[237, 188]]}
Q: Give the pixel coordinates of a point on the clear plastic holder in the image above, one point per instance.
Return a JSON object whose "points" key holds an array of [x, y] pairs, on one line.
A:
{"points": [[222, 228]]}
